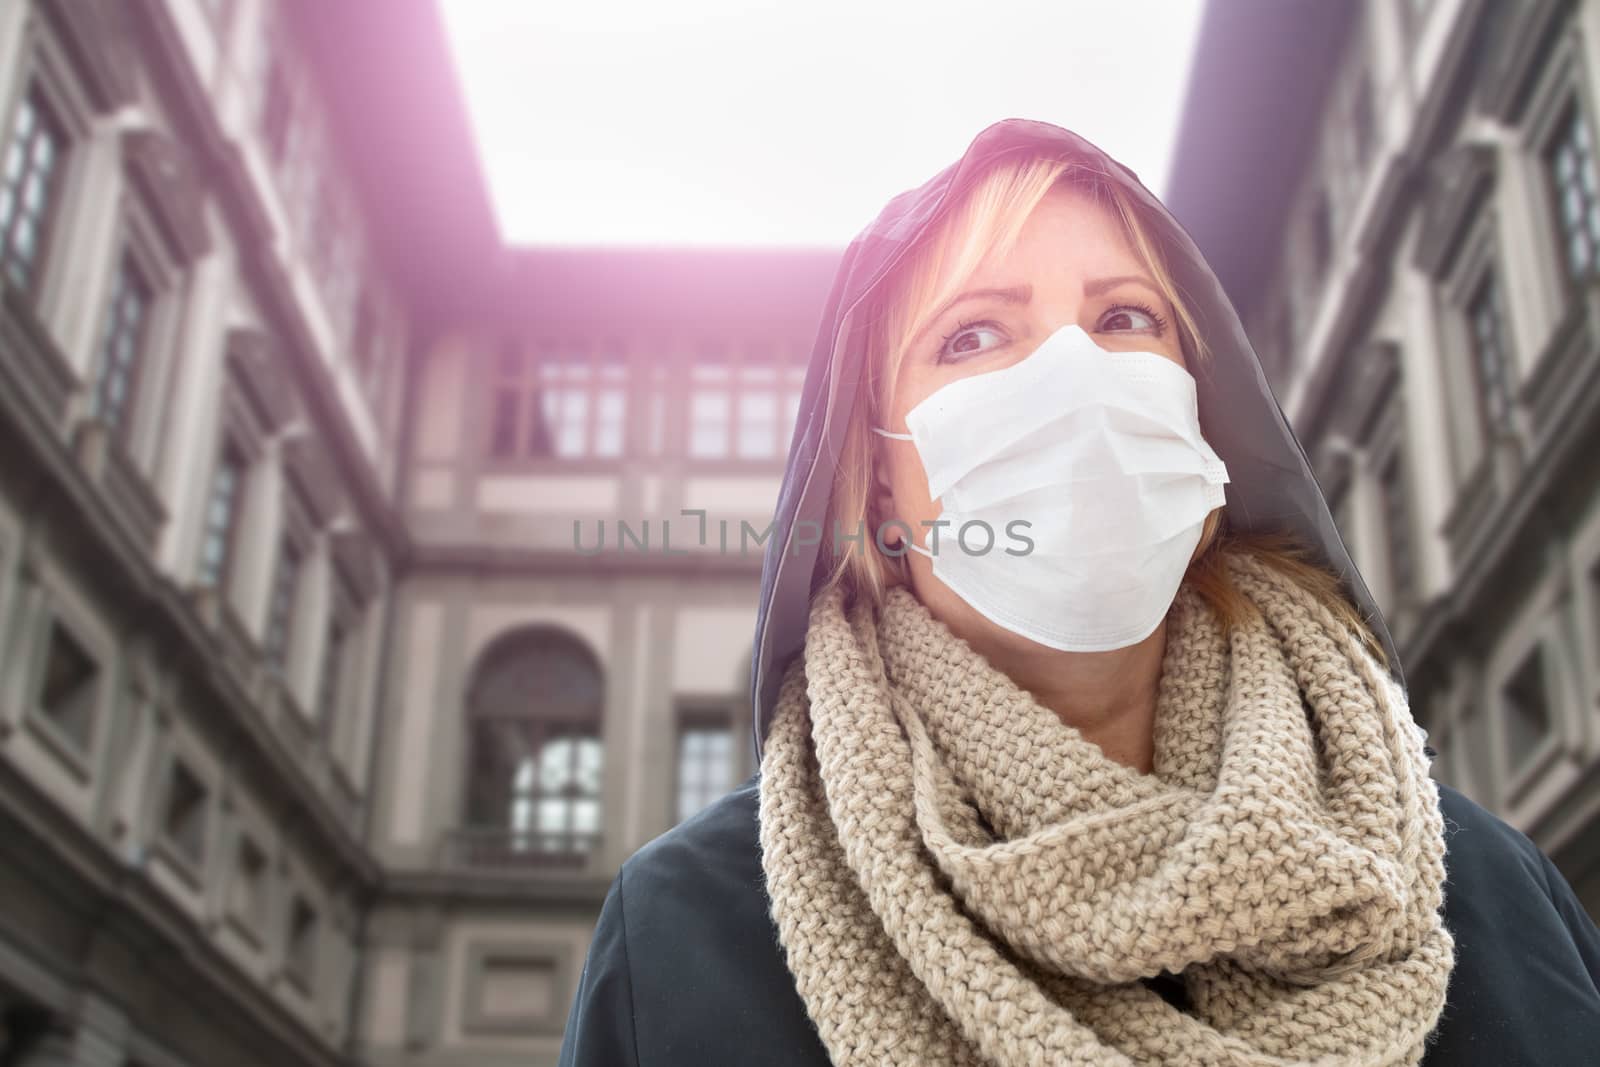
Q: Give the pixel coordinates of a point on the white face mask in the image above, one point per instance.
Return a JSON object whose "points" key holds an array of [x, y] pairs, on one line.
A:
{"points": [[1100, 455]]}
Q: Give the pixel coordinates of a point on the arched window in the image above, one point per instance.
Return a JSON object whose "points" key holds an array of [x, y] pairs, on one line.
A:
{"points": [[533, 774]]}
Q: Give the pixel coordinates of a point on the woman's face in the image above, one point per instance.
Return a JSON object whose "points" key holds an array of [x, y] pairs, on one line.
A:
{"points": [[1071, 264]]}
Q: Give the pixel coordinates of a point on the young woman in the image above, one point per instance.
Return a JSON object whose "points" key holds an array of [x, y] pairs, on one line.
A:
{"points": [[1082, 740]]}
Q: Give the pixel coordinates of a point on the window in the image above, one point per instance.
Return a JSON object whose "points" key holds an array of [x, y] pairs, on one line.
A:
{"points": [[1569, 161], [122, 344], [655, 434], [1487, 324], [69, 693], [710, 410], [555, 795], [560, 402], [742, 409], [705, 763], [280, 614], [222, 512], [536, 755], [1397, 529], [1525, 709], [757, 423], [247, 896], [300, 954], [29, 188], [183, 821]]}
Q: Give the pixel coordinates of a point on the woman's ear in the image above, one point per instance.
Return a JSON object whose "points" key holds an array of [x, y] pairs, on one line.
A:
{"points": [[880, 504]]}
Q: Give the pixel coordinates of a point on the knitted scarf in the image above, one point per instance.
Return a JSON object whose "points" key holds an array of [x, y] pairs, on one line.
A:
{"points": [[957, 877]]}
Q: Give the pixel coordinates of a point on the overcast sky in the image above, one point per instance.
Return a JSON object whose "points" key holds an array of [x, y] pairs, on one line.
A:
{"points": [[750, 122]]}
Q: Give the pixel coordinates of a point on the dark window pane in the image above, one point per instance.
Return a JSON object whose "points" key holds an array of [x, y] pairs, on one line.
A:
{"points": [[705, 765], [1489, 352], [300, 955], [30, 182], [122, 343], [286, 583], [221, 514], [69, 693], [1569, 159], [247, 895], [184, 820], [536, 756]]}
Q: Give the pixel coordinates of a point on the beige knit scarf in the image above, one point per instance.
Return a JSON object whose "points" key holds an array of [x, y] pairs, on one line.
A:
{"points": [[959, 878]]}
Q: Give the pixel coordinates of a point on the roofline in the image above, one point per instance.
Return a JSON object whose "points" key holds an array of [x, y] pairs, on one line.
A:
{"points": [[1260, 72], [400, 120]]}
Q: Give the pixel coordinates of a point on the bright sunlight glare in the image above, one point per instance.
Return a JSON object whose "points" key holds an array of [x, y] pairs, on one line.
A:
{"points": [[732, 122]]}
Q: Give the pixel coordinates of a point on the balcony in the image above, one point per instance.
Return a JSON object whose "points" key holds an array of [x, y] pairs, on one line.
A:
{"points": [[521, 852], [32, 369]]}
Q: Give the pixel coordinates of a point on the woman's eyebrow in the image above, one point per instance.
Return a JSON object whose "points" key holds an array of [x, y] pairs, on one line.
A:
{"points": [[1100, 285], [1013, 294], [1021, 294]]}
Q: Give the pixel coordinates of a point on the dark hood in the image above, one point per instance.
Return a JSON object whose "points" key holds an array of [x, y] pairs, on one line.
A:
{"points": [[1270, 487]]}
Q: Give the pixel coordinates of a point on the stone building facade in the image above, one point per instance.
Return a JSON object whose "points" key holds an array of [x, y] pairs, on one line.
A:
{"points": [[321, 733], [369, 591], [1428, 307]]}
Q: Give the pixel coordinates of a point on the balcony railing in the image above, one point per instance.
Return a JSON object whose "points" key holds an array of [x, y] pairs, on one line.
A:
{"points": [[498, 848]]}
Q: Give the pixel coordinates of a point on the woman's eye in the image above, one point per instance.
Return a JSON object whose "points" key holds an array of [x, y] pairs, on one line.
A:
{"points": [[964, 342], [1133, 317]]}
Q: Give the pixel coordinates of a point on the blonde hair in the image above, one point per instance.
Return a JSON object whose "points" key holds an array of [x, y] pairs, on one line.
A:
{"points": [[987, 222]]}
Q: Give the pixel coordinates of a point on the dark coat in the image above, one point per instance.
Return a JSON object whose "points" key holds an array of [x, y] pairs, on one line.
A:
{"points": [[685, 969]]}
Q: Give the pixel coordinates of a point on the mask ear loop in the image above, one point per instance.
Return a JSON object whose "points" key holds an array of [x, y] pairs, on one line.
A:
{"points": [[911, 544]]}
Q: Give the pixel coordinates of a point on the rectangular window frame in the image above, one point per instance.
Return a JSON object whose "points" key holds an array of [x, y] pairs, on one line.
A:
{"points": [[38, 91], [515, 381], [1537, 623], [191, 861], [698, 712], [280, 628], [249, 922], [77, 755], [223, 578], [1474, 436], [1400, 547], [119, 414], [302, 960], [139, 242], [1498, 394], [1571, 114], [1562, 84], [344, 615], [739, 357]]}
